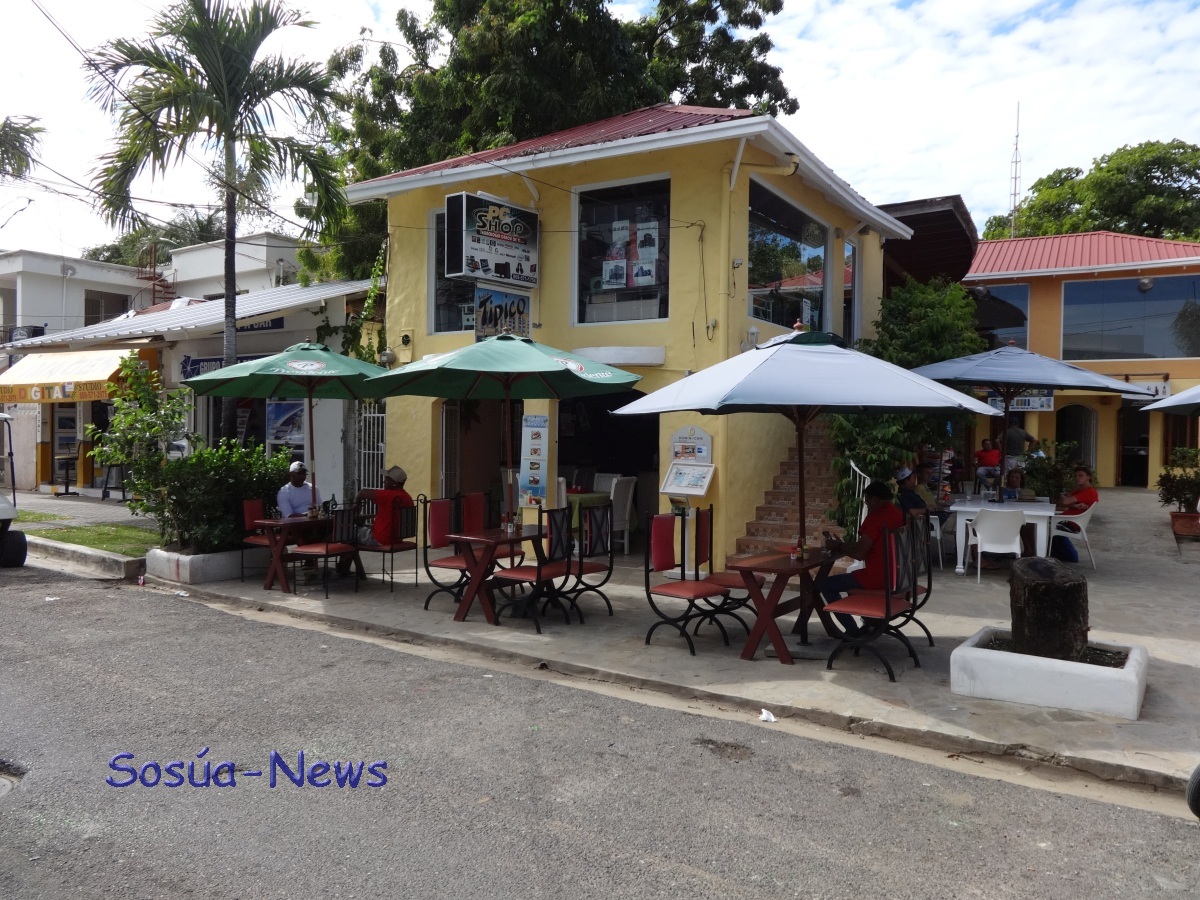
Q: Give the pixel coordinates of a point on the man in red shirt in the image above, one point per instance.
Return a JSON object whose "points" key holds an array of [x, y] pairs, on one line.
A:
{"points": [[386, 499], [881, 513], [987, 461], [1073, 503]]}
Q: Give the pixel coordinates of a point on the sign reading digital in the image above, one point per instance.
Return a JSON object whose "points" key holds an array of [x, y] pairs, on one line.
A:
{"points": [[490, 240]]}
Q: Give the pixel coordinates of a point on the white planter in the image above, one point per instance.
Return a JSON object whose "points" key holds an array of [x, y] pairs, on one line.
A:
{"points": [[1017, 678], [203, 567]]}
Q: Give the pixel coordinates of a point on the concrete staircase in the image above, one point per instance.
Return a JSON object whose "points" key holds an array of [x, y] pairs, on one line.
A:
{"points": [[776, 521]]}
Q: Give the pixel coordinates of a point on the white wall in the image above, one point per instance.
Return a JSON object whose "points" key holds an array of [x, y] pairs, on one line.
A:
{"points": [[199, 271]]}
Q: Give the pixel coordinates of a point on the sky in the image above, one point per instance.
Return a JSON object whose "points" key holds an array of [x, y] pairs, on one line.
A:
{"points": [[904, 99]]}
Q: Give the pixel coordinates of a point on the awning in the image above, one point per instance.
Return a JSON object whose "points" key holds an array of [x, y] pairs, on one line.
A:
{"points": [[80, 375]]}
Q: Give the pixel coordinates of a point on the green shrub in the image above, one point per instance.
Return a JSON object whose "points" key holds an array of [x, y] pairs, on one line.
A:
{"points": [[1053, 474], [204, 493], [1179, 485]]}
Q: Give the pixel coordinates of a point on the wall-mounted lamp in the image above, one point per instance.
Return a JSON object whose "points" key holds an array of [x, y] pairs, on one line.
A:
{"points": [[1145, 285], [387, 357], [751, 340]]}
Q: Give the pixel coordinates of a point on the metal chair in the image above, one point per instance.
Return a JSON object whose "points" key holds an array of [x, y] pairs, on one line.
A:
{"points": [[548, 576], [340, 541], [1081, 521], [252, 535], [702, 569], [994, 531], [884, 612], [438, 517], [660, 557], [404, 538], [595, 547]]}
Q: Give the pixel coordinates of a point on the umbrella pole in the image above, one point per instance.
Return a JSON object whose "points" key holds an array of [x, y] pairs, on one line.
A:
{"points": [[312, 448], [800, 527], [506, 430]]}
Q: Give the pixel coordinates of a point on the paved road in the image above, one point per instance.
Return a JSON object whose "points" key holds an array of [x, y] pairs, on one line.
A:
{"points": [[497, 786]]}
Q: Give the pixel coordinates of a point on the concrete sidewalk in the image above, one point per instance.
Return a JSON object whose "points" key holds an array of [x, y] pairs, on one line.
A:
{"points": [[1144, 592]]}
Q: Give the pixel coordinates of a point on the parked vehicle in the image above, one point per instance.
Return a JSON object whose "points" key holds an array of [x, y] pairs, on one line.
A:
{"points": [[13, 547]]}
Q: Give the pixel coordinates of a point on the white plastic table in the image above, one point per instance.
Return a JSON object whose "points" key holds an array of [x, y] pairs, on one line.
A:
{"points": [[1037, 512]]}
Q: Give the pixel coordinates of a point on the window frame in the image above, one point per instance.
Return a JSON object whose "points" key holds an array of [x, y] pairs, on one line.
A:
{"points": [[577, 196], [1132, 276], [432, 277]]}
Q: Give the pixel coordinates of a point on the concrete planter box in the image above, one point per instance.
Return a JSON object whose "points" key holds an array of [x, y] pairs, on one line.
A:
{"points": [[199, 568], [998, 675]]}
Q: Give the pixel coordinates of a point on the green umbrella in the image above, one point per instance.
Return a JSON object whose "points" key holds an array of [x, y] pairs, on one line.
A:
{"points": [[302, 370], [502, 368]]}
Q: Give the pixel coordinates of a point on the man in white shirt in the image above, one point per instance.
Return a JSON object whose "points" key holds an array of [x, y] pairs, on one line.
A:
{"points": [[298, 494]]}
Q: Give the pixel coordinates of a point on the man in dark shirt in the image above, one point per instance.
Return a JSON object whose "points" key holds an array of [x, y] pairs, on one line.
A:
{"points": [[909, 501], [881, 513]]}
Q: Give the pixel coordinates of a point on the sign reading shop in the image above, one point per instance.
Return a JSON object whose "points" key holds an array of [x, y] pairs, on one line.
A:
{"points": [[490, 240]]}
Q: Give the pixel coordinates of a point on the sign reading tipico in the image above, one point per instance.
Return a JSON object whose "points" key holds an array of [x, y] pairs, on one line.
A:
{"points": [[490, 240]]}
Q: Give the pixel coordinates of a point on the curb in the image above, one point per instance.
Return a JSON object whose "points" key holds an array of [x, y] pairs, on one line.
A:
{"points": [[102, 562], [842, 722]]}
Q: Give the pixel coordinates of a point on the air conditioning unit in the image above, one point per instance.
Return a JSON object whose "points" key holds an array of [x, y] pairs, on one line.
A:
{"points": [[23, 332]]}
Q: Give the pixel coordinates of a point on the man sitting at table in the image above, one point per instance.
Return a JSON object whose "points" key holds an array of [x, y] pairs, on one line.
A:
{"points": [[1073, 503], [910, 502], [295, 497], [881, 513], [383, 529], [987, 462]]}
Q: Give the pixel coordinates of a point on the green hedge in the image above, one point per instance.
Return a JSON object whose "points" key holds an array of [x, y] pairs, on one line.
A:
{"points": [[204, 493]]}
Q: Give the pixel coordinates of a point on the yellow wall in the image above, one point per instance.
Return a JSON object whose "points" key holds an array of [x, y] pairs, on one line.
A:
{"points": [[709, 228]]}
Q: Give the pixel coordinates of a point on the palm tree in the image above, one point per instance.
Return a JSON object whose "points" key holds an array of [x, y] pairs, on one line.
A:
{"points": [[198, 82], [18, 142]]}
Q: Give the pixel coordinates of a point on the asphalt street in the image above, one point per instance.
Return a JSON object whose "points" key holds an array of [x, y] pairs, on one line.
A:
{"points": [[497, 785]]}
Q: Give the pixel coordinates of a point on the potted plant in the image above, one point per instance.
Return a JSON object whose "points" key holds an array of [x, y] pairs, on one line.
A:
{"points": [[1179, 486], [1053, 472]]}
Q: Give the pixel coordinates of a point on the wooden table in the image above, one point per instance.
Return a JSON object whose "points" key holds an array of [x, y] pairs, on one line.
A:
{"points": [[279, 533], [1036, 512], [479, 549], [584, 498], [782, 568]]}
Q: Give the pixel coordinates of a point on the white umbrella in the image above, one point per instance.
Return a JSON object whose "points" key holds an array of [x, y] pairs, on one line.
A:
{"points": [[1185, 403], [801, 375]]}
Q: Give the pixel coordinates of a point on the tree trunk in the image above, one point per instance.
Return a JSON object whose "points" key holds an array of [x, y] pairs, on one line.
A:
{"points": [[1049, 609], [229, 404]]}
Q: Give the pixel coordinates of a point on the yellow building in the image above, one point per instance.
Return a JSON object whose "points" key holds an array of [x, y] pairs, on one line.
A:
{"points": [[1122, 305], [665, 241]]}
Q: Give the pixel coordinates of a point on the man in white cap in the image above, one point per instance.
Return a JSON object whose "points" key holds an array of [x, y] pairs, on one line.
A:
{"points": [[386, 500], [295, 497], [906, 497]]}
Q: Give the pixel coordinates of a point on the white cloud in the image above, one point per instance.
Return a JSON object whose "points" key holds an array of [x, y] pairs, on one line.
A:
{"points": [[902, 99]]}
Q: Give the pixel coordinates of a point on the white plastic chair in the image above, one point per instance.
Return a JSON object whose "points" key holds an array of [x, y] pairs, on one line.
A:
{"points": [[561, 484], [935, 535], [860, 480], [1082, 521], [994, 531], [622, 504], [603, 481]]}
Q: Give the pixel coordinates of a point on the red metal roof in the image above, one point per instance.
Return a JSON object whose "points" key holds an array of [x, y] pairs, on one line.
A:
{"points": [[658, 119], [808, 279], [1094, 249]]}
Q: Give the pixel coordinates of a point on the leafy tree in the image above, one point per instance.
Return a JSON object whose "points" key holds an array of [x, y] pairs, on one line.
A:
{"points": [[919, 324], [186, 229], [1151, 189], [19, 139], [487, 73], [143, 422], [201, 80]]}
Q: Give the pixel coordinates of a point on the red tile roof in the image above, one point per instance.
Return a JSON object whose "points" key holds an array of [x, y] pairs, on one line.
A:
{"points": [[1066, 252], [652, 120], [808, 279]]}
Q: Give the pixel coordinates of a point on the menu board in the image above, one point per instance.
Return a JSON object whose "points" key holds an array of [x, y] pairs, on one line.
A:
{"points": [[535, 470], [689, 479]]}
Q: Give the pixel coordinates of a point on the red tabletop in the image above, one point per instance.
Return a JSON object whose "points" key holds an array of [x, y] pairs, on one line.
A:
{"points": [[767, 607]]}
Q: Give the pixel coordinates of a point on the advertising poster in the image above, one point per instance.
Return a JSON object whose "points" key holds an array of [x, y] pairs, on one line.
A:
{"points": [[285, 424], [497, 310], [643, 271], [615, 268], [534, 476]]}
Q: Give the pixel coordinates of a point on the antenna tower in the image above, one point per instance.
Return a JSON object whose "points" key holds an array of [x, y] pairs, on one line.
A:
{"points": [[1015, 177]]}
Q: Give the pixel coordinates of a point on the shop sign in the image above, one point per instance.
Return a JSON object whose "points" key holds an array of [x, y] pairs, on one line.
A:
{"points": [[491, 240], [61, 392], [535, 447], [275, 324], [1033, 400], [497, 312], [191, 366]]}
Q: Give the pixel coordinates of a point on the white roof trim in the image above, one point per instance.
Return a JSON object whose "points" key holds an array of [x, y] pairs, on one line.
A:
{"points": [[200, 319], [778, 139], [1086, 270]]}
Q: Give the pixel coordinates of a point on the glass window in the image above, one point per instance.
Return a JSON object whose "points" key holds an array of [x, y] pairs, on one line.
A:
{"points": [[849, 292], [1132, 318], [787, 262], [453, 298], [100, 306], [1002, 314], [624, 252]]}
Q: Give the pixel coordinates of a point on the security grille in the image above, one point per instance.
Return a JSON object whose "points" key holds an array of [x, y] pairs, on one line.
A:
{"points": [[370, 444]]}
